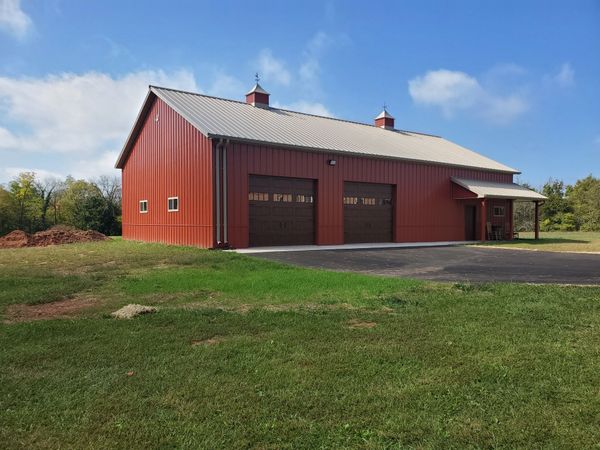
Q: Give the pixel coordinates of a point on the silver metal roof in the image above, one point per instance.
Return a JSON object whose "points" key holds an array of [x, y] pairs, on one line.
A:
{"points": [[257, 88], [384, 115], [489, 189], [217, 117]]}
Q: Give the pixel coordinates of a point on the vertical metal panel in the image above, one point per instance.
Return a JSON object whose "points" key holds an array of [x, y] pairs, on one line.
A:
{"points": [[425, 209], [169, 159]]}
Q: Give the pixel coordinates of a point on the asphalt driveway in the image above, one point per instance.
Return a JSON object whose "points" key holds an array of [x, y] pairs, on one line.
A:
{"points": [[460, 263]]}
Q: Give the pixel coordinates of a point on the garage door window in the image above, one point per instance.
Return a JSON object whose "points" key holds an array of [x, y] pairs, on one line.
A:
{"points": [[369, 201], [258, 196], [350, 200], [304, 198], [282, 197]]}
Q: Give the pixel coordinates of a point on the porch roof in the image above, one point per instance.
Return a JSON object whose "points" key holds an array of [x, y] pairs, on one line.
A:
{"points": [[490, 189]]}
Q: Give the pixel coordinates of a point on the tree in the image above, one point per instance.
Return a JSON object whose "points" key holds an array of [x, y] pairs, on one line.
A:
{"points": [[585, 199], [524, 212], [83, 206], [110, 187], [47, 190], [8, 208], [555, 207], [24, 192]]}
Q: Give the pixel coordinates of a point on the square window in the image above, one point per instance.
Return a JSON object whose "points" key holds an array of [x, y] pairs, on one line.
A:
{"points": [[173, 204], [143, 206], [499, 211]]}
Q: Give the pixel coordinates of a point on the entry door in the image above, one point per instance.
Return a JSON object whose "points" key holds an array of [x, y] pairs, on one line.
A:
{"points": [[470, 222], [368, 212], [282, 211]]}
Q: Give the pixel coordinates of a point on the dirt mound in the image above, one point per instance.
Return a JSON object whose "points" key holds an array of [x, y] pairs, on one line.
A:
{"points": [[15, 239], [54, 236]]}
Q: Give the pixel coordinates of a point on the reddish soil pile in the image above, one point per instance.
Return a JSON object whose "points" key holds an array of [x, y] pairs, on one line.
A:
{"points": [[54, 236], [14, 239]]}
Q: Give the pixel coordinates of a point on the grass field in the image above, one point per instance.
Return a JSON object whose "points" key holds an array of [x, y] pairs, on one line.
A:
{"points": [[245, 353], [557, 241]]}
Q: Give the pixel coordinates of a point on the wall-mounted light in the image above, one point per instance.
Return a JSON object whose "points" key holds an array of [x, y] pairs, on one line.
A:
{"points": [[332, 162]]}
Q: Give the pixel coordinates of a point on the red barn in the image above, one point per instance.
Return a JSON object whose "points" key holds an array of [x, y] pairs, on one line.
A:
{"points": [[211, 172]]}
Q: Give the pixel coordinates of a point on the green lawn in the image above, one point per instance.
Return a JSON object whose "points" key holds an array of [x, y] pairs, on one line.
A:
{"points": [[245, 353], [556, 241]]}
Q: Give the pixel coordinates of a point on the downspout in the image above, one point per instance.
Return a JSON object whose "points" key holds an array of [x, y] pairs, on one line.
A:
{"points": [[221, 192], [218, 191]]}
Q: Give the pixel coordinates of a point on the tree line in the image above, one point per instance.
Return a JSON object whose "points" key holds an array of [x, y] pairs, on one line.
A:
{"points": [[31, 204], [568, 207]]}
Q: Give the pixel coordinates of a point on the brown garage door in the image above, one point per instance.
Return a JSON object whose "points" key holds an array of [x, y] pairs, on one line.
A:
{"points": [[282, 211], [368, 212]]}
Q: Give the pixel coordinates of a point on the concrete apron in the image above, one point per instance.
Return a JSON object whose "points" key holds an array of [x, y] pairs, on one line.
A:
{"points": [[383, 245]]}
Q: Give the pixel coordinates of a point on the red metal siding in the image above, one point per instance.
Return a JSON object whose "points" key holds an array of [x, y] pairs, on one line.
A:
{"points": [[169, 159], [425, 210]]}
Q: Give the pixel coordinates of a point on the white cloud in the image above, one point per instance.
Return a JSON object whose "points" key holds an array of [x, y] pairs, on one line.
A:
{"points": [[306, 107], [82, 119], [13, 20], [224, 85], [453, 92], [273, 69], [311, 66], [77, 113], [565, 77]]}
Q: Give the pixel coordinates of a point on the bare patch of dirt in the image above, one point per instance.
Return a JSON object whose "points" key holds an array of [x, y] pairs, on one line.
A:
{"points": [[210, 341], [57, 235], [360, 324], [62, 309]]}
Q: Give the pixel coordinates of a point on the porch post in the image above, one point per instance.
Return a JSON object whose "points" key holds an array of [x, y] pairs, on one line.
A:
{"points": [[537, 219], [511, 231], [483, 224]]}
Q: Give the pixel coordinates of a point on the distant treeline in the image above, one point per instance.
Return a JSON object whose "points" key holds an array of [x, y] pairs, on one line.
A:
{"points": [[568, 208], [32, 204]]}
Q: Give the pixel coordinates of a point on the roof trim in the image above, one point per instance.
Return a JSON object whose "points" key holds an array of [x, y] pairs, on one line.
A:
{"points": [[135, 129], [488, 189]]}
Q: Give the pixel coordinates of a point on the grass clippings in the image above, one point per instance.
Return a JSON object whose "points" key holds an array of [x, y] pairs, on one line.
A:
{"points": [[132, 310]]}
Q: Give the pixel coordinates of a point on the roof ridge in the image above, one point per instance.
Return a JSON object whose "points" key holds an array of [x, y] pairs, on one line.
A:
{"points": [[292, 111]]}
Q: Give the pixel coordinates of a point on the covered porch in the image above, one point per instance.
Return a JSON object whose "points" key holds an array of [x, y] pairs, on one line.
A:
{"points": [[489, 207]]}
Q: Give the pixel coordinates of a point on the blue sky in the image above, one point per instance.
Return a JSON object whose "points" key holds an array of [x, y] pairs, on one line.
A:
{"points": [[516, 81]]}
